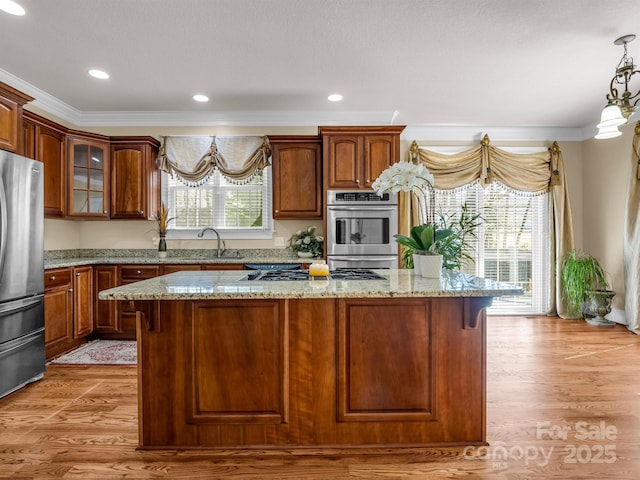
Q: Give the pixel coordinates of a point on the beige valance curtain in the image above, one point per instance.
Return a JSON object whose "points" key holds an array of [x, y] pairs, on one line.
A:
{"points": [[194, 158], [632, 241], [534, 173]]}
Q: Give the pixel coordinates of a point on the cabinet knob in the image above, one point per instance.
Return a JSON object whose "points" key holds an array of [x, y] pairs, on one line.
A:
{"points": [[77, 274], [104, 211], [367, 181], [71, 289], [277, 211], [141, 212], [139, 272], [52, 278], [358, 182]]}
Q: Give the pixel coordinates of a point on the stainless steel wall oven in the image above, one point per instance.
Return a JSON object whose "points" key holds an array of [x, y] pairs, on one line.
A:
{"points": [[360, 229]]}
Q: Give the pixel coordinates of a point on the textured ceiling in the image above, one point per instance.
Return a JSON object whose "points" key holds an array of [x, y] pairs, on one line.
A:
{"points": [[511, 63]]}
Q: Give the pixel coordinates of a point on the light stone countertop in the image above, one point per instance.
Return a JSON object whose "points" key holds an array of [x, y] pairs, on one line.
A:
{"points": [[204, 285], [73, 258]]}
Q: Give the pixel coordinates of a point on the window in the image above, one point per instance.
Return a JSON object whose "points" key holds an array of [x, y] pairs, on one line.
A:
{"points": [[513, 240], [235, 209]]}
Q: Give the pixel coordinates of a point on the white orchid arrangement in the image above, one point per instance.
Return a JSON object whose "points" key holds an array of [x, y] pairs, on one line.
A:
{"points": [[307, 241], [404, 176], [409, 177]]}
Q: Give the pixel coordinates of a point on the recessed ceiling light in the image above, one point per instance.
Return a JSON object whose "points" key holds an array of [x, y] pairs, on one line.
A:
{"points": [[98, 74], [11, 7], [201, 98], [334, 97]]}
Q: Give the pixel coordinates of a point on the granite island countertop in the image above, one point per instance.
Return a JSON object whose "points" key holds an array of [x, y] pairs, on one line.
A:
{"points": [[205, 285]]}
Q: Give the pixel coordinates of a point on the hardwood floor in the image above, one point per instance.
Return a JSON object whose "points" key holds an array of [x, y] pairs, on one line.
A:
{"points": [[563, 401]]}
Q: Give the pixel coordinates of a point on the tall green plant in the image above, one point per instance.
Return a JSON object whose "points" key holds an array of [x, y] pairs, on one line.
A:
{"points": [[581, 272]]}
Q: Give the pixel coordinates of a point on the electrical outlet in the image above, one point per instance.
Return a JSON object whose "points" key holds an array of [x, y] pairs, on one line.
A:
{"points": [[279, 241]]}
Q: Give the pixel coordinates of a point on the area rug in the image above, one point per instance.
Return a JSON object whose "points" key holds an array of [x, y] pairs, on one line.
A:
{"points": [[101, 352]]}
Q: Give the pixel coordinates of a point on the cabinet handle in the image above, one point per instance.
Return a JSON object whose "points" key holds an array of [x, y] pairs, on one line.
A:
{"points": [[52, 278]]}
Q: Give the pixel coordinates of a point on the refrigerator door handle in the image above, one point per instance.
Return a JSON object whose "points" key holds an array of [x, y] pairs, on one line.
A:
{"points": [[3, 226], [19, 305]]}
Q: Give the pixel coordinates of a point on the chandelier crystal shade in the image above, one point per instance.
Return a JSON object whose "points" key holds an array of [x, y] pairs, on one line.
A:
{"points": [[621, 102]]}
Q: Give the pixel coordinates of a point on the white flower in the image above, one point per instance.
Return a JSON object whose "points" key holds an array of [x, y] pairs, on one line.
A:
{"points": [[403, 176]]}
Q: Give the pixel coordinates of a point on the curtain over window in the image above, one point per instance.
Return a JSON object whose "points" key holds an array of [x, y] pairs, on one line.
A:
{"points": [[525, 174], [632, 240], [193, 159]]}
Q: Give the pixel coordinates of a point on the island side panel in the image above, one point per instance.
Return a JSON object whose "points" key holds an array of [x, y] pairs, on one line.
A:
{"points": [[299, 355]]}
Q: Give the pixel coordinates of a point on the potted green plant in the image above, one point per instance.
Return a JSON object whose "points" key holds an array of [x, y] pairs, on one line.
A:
{"points": [[586, 289], [450, 238], [306, 243]]}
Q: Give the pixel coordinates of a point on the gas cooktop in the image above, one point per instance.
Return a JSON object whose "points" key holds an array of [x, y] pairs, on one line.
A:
{"points": [[338, 274]]}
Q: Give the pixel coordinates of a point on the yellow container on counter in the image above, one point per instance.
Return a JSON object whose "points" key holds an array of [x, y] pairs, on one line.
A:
{"points": [[318, 268]]}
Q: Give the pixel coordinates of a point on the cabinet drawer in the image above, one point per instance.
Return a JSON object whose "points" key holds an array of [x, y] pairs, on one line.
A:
{"points": [[138, 272], [57, 278]]}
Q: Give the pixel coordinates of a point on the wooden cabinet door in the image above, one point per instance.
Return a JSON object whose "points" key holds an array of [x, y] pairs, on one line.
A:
{"points": [[88, 178], [297, 177], [105, 311], [82, 301], [135, 178], [45, 141], [342, 154], [58, 308], [380, 152], [11, 102]]}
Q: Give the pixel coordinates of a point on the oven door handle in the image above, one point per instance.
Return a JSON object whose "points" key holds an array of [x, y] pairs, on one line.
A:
{"points": [[377, 258], [360, 209]]}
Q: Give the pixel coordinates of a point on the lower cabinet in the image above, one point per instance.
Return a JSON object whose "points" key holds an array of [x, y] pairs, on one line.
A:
{"points": [[68, 308], [126, 320], [105, 312]]}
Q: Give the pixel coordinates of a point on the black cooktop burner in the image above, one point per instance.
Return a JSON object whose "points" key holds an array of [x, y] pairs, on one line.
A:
{"points": [[338, 274]]}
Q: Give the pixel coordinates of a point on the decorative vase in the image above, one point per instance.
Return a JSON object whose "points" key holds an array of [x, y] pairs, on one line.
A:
{"points": [[430, 265], [162, 247], [597, 305], [305, 254]]}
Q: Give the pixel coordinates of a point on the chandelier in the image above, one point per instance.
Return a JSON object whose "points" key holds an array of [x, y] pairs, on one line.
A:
{"points": [[620, 105]]}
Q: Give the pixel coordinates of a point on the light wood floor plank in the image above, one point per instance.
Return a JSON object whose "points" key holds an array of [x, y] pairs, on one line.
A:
{"points": [[544, 375]]}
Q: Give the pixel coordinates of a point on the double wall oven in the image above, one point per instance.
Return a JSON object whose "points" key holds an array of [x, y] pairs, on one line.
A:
{"points": [[360, 229]]}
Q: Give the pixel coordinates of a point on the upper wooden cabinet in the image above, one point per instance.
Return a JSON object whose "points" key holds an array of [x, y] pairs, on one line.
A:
{"points": [[44, 140], [355, 156], [297, 177], [11, 102], [135, 177], [88, 175]]}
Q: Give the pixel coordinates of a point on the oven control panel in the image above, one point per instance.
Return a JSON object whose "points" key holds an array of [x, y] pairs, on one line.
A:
{"points": [[341, 197]]}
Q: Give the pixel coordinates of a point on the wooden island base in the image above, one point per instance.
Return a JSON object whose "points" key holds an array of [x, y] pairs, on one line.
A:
{"points": [[311, 372]]}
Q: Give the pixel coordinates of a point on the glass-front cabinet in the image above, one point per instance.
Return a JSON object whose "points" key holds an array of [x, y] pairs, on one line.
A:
{"points": [[88, 177]]}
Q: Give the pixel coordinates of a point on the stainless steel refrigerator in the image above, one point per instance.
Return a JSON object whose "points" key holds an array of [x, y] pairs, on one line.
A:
{"points": [[22, 357]]}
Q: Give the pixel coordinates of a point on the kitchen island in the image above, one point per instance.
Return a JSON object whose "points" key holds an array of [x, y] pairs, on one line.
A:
{"points": [[227, 362]]}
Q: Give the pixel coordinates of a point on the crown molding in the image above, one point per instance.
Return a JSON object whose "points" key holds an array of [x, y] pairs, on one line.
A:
{"points": [[475, 133], [232, 118], [466, 133]]}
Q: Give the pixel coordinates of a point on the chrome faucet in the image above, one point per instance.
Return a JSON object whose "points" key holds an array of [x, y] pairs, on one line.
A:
{"points": [[219, 251]]}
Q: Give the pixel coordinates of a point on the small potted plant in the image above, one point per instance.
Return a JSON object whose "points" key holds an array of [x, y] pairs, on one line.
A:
{"points": [[162, 219], [586, 289], [306, 243]]}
